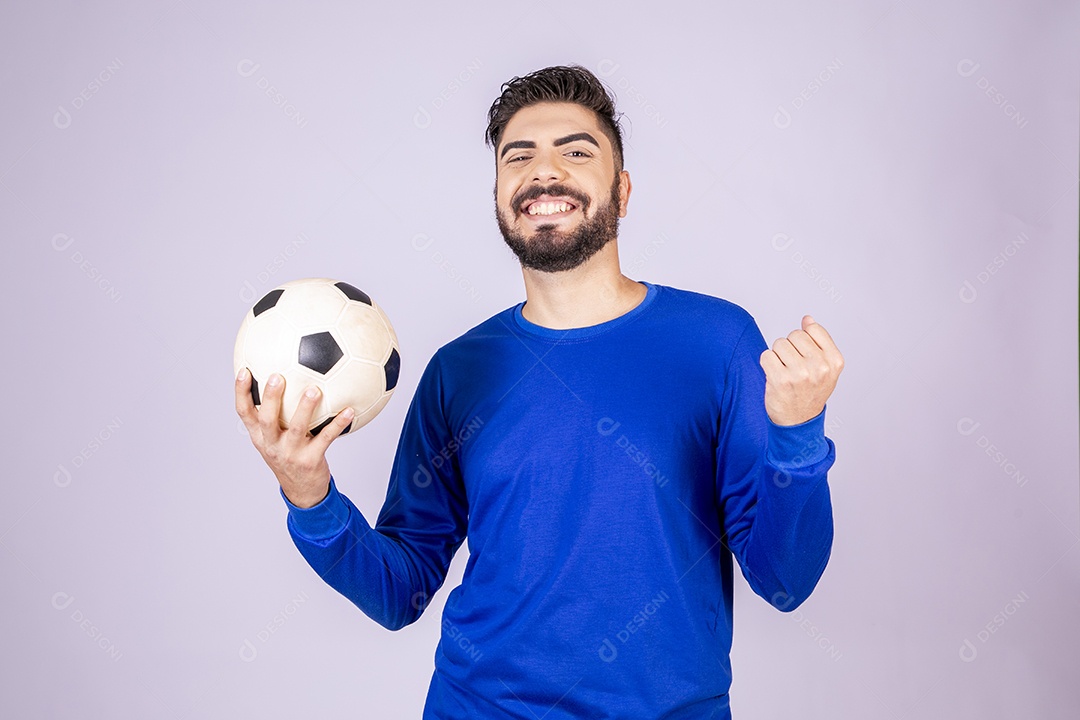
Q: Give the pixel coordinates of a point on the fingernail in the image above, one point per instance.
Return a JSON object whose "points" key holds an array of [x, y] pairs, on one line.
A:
{"points": [[275, 379], [347, 413], [311, 392], [242, 375]]}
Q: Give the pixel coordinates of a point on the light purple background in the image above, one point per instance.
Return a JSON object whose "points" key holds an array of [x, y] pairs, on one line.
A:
{"points": [[843, 159]]}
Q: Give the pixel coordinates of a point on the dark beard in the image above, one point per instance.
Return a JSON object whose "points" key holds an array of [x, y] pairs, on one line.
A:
{"points": [[550, 250]]}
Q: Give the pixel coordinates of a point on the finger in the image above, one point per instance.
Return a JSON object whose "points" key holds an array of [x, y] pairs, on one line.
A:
{"points": [[770, 363], [305, 409], [245, 404], [270, 408], [819, 333], [824, 340], [804, 343], [333, 431], [787, 353]]}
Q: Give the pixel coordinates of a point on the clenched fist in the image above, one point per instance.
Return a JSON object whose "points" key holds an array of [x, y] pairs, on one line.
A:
{"points": [[800, 373]]}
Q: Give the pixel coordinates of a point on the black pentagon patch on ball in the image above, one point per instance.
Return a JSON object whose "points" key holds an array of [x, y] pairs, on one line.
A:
{"points": [[392, 366], [254, 391], [268, 301], [320, 352], [319, 428], [353, 293]]}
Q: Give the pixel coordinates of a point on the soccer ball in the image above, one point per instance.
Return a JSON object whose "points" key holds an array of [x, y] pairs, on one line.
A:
{"points": [[318, 331]]}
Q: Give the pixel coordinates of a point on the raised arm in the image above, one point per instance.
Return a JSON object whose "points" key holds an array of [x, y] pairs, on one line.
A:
{"points": [[772, 464]]}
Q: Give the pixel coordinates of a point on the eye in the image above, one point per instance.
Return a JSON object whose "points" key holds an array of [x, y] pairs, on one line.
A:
{"points": [[579, 152], [518, 157]]}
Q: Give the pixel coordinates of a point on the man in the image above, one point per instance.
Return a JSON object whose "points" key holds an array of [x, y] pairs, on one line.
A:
{"points": [[606, 446]]}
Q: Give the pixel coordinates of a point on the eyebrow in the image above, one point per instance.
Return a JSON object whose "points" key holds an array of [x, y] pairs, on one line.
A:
{"points": [[558, 141]]}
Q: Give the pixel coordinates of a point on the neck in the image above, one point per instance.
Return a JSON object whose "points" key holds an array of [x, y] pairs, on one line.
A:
{"points": [[594, 292]]}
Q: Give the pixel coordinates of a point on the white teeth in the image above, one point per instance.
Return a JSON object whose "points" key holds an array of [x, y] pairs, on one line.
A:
{"points": [[548, 208]]}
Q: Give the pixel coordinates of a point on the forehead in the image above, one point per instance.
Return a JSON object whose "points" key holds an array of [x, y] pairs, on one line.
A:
{"points": [[548, 120]]}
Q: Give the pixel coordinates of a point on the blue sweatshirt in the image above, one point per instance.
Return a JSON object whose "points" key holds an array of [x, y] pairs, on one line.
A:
{"points": [[604, 477]]}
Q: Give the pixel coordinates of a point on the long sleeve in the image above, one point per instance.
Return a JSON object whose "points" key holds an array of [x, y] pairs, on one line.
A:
{"points": [[594, 470], [391, 571], [772, 485]]}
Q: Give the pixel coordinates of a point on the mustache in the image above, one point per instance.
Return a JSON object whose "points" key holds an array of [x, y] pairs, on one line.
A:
{"points": [[556, 190]]}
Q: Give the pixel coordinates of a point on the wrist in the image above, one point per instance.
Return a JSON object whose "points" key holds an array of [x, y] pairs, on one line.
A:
{"points": [[323, 521], [306, 499], [799, 445]]}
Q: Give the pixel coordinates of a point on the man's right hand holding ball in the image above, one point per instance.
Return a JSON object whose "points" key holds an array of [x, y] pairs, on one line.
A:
{"points": [[297, 457]]}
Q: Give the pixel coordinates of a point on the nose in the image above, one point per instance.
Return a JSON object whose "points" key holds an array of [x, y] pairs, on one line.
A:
{"points": [[548, 167]]}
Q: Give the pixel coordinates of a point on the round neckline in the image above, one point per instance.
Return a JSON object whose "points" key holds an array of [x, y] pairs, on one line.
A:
{"points": [[588, 331]]}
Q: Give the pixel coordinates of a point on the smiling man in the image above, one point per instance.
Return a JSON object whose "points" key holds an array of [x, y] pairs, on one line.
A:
{"points": [[606, 446], [538, 228]]}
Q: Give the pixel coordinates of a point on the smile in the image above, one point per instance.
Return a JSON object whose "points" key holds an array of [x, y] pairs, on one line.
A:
{"points": [[547, 206]]}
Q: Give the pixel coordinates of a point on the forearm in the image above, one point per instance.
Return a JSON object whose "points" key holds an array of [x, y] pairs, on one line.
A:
{"points": [[791, 537], [375, 572]]}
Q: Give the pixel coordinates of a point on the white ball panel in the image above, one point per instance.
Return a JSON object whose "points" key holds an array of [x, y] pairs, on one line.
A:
{"points": [[390, 329], [312, 307], [362, 419], [364, 333], [270, 345], [359, 386]]}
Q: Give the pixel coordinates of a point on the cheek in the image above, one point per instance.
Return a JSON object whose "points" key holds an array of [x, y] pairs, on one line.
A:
{"points": [[503, 197]]}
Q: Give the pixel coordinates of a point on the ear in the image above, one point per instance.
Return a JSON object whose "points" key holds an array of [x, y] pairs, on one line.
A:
{"points": [[625, 186]]}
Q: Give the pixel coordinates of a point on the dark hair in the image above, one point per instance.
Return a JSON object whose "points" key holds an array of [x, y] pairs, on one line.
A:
{"points": [[559, 83]]}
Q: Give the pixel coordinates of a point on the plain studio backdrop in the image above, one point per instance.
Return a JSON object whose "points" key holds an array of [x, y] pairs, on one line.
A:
{"points": [[904, 170]]}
